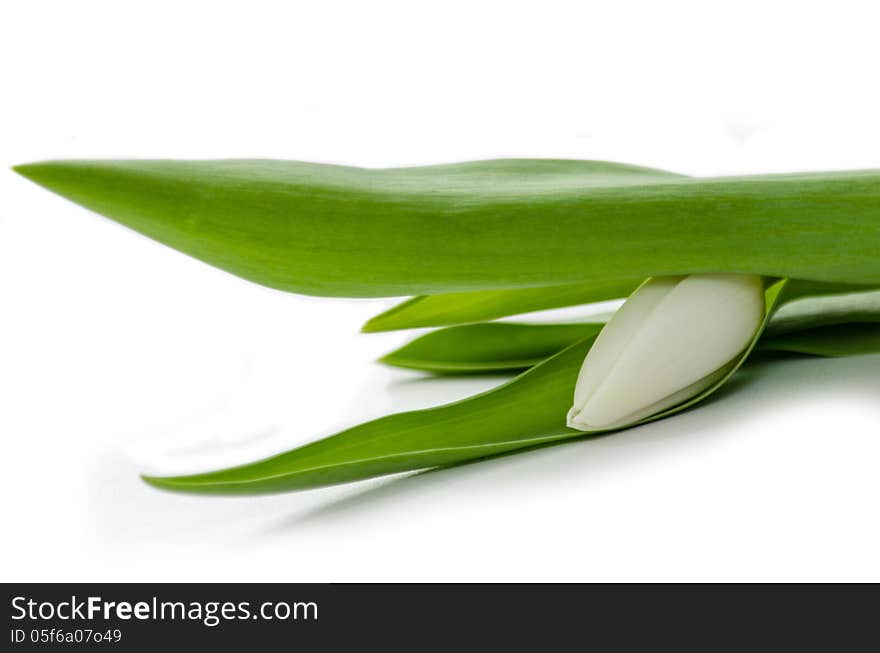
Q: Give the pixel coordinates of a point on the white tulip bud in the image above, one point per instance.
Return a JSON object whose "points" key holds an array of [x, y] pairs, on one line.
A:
{"points": [[673, 338]]}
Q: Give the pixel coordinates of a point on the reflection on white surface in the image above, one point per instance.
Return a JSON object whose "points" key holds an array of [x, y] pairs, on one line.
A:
{"points": [[254, 420], [693, 485], [191, 446]]}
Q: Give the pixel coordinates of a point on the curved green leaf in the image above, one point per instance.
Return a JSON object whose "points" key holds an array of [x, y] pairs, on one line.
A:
{"points": [[796, 327], [341, 231], [482, 305], [526, 411], [489, 347]]}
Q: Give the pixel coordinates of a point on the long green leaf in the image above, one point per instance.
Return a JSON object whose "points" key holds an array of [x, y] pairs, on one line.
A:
{"points": [[506, 346], [488, 347], [479, 306], [340, 231], [482, 305], [526, 411], [499, 347], [835, 340]]}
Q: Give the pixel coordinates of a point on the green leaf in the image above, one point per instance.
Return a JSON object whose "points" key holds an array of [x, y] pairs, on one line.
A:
{"points": [[499, 347], [835, 340], [802, 326], [830, 308], [481, 305], [341, 231], [527, 411], [489, 347]]}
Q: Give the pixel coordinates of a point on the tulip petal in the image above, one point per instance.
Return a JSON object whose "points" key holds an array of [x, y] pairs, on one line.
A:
{"points": [[674, 338]]}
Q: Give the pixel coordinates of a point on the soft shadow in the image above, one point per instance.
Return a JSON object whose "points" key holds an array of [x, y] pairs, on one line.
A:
{"points": [[420, 390], [762, 387]]}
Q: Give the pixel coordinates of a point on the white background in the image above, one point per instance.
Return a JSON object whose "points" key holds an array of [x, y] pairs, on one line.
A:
{"points": [[118, 355]]}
